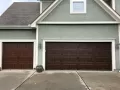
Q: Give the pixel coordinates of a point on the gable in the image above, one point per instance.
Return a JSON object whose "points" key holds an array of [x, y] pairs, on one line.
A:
{"points": [[94, 13]]}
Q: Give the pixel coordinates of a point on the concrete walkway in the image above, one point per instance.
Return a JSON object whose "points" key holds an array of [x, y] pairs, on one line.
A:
{"points": [[10, 79]]}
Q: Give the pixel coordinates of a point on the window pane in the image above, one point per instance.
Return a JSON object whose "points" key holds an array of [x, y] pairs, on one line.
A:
{"points": [[78, 6]]}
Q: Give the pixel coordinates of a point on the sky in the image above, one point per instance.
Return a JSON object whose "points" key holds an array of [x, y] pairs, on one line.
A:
{"points": [[4, 4]]}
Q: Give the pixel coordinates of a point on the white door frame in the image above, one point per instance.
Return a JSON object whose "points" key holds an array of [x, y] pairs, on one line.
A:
{"points": [[86, 40], [19, 40]]}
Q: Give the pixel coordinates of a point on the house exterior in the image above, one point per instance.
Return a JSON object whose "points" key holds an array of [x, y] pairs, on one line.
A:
{"points": [[61, 35]]}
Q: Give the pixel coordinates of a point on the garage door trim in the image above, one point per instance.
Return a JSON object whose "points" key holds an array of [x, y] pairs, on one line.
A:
{"points": [[99, 40], [22, 41]]}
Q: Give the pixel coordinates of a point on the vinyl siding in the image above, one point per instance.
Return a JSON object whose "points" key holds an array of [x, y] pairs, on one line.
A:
{"points": [[17, 34], [94, 13], [78, 32], [117, 3]]}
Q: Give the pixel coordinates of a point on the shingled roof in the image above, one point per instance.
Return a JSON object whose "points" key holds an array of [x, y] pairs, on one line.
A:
{"points": [[20, 13]]}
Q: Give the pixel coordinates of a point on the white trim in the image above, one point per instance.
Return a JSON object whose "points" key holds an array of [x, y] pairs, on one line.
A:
{"points": [[34, 54], [43, 52], [41, 7], [86, 40], [16, 27], [46, 12], [26, 26], [71, 7], [113, 56], [108, 9], [119, 42], [113, 4], [1, 55], [18, 40], [99, 22], [37, 43]]}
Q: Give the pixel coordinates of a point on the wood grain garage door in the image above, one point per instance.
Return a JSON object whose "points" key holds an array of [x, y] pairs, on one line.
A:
{"points": [[78, 56], [17, 56]]}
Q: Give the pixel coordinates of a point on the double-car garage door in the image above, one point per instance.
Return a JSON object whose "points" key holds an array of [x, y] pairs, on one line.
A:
{"points": [[78, 56], [17, 55]]}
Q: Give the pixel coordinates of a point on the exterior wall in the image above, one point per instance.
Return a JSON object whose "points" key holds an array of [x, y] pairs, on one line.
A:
{"points": [[46, 4], [117, 7], [94, 13], [77, 32], [17, 34]]}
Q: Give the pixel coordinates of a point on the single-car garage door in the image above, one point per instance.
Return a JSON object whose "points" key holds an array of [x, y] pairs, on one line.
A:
{"points": [[17, 55], [78, 56]]}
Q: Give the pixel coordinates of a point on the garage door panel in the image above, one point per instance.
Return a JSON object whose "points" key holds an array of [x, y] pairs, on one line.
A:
{"points": [[78, 56], [103, 67], [69, 67], [54, 67], [54, 61], [88, 67], [23, 66], [17, 55], [11, 65]]}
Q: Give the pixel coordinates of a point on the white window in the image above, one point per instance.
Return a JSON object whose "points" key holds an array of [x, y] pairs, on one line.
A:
{"points": [[77, 6]]}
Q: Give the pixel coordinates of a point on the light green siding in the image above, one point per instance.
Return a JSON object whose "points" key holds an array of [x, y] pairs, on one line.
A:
{"points": [[17, 34], [117, 6], [77, 32], [46, 4], [94, 13]]}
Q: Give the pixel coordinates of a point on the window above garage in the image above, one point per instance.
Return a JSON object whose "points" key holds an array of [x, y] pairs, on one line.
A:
{"points": [[77, 6]]}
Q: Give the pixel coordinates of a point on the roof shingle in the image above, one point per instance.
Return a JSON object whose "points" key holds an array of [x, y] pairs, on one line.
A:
{"points": [[20, 13]]}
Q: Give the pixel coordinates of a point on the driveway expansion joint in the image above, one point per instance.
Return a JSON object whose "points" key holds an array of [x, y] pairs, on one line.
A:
{"points": [[82, 81], [28, 77]]}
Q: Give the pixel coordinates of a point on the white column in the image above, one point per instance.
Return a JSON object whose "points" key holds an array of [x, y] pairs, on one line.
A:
{"points": [[119, 43], [34, 55], [0, 54], [36, 47], [43, 57], [113, 56]]}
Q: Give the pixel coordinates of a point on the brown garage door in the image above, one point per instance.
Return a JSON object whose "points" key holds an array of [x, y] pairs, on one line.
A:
{"points": [[78, 56], [17, 56]]}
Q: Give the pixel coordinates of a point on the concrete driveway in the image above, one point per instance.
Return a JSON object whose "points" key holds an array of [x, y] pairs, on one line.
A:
{"points": [[101, 80], [62, 80], [10, 79], [49, 80]]}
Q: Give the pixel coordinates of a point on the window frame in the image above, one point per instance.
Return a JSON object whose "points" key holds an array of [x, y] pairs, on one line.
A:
{"points": [[74, 12]]}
